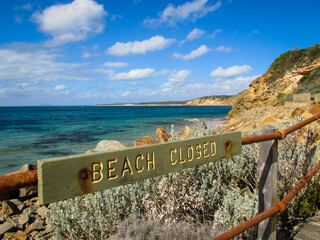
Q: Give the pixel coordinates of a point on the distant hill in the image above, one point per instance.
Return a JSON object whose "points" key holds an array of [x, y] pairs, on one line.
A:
{"points": [[219, 100], [295, 71]]}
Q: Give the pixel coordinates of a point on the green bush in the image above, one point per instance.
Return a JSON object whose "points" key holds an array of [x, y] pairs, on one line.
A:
{"points": [[201, 201]]}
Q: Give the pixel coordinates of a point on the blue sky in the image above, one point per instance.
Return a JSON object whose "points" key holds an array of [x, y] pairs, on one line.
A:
{"points": [[87, 52]]}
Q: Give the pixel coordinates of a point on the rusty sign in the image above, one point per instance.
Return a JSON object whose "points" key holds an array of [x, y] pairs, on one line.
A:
{"points": [[67, 177]]}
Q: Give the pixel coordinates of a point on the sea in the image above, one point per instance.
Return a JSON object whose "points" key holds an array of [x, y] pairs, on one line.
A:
{"points": [[28, 134]]}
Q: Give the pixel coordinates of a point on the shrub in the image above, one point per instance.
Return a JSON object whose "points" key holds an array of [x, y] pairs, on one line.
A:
{"points": [[195, 202]]}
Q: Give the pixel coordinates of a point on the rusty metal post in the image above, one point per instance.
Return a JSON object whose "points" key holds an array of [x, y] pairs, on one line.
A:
{"points": [[267, 168]]}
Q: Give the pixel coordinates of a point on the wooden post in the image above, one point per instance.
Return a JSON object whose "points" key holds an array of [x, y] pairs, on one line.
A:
{"points": [[267, 168]]}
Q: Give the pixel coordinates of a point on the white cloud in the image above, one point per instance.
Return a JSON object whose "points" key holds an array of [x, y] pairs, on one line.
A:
{"points": [[189, 10], [216, 32], [139, 47], [203, 49], [71, 22], [86, 55], [175, 80], [230, 71], [223, 49], [60, 87], [194, 34], [31, 65], [115, 64], [134, 74]]}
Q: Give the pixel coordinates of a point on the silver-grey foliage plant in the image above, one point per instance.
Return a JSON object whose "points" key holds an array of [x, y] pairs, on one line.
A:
{"points": [[213, 197]]}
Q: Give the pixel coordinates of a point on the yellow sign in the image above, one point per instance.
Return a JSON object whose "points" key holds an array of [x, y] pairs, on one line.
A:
{"points": [[67, 177]]}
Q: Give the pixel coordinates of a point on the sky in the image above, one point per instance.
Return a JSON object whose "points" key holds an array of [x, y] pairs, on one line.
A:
{"points": [[87, 52]]}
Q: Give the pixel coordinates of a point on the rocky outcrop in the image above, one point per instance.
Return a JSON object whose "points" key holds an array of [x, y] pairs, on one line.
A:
{"points": [[291, 72], [186, 132]]}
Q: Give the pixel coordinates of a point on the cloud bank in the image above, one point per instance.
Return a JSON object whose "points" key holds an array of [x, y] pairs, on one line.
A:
{"points": [[71, 22]]}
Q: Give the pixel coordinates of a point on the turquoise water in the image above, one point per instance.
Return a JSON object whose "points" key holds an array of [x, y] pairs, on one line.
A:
{"points": [[28, 134]]}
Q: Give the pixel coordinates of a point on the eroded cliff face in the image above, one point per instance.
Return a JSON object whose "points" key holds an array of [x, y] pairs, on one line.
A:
{"points": [[281, 79]]}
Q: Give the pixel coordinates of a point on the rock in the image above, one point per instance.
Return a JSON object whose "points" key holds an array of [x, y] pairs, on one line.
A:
{"points": [[8, 235], [314, 109], [162, 135], [297, 112], [186, 132], [36, 225], [21, 206], [29, 210], [20, 235], [6, 227], [29, 191], [306, 115], [214, 131], [107, 145], [42, 212], [89, 151], [25, 168], [8, 208], [23, 220], [146, 140], [268, 119]]}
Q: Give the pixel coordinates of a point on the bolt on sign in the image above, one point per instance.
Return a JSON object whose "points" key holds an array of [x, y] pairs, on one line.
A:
{"points": [[67, 177]]}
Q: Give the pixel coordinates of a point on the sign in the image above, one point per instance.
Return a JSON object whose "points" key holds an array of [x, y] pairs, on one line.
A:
{"points": [[67, 177]]}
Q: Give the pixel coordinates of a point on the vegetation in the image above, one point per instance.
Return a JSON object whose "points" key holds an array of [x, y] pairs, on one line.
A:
{"points": [[310, 83], [197, 203], [292, 60], [282, 98]]}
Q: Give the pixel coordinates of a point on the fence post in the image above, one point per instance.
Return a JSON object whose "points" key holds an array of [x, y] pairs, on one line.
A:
{"points": [[267, 168]]}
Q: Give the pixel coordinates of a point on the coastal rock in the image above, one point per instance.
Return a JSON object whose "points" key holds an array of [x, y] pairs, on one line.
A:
{"points": [[21, 235], [36, 225], [306, 115], [109, 145], [25, 168], [297, 112], [162, 135], [6, 227], [267, 120], [186, 132], [314, 109], [146, 140], [8, 208]]}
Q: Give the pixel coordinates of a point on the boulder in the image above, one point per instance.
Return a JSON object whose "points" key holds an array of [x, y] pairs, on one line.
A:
{"points": [[162, 135], [146, 140], [186, 132], [297, 112], [314, 109], [107, 145], [268, 119], [25, 168]]}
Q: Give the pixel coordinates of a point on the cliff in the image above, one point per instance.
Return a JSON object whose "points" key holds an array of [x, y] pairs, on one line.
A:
{"points": [[292, 72], [221, 100]]}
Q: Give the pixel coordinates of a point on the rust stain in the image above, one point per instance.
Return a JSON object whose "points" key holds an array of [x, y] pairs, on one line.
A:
{"points": [[84, 180], [228, 148]]}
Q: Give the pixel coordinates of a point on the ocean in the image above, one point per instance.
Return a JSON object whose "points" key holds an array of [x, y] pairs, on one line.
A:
{"points": [[28, 134]]}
